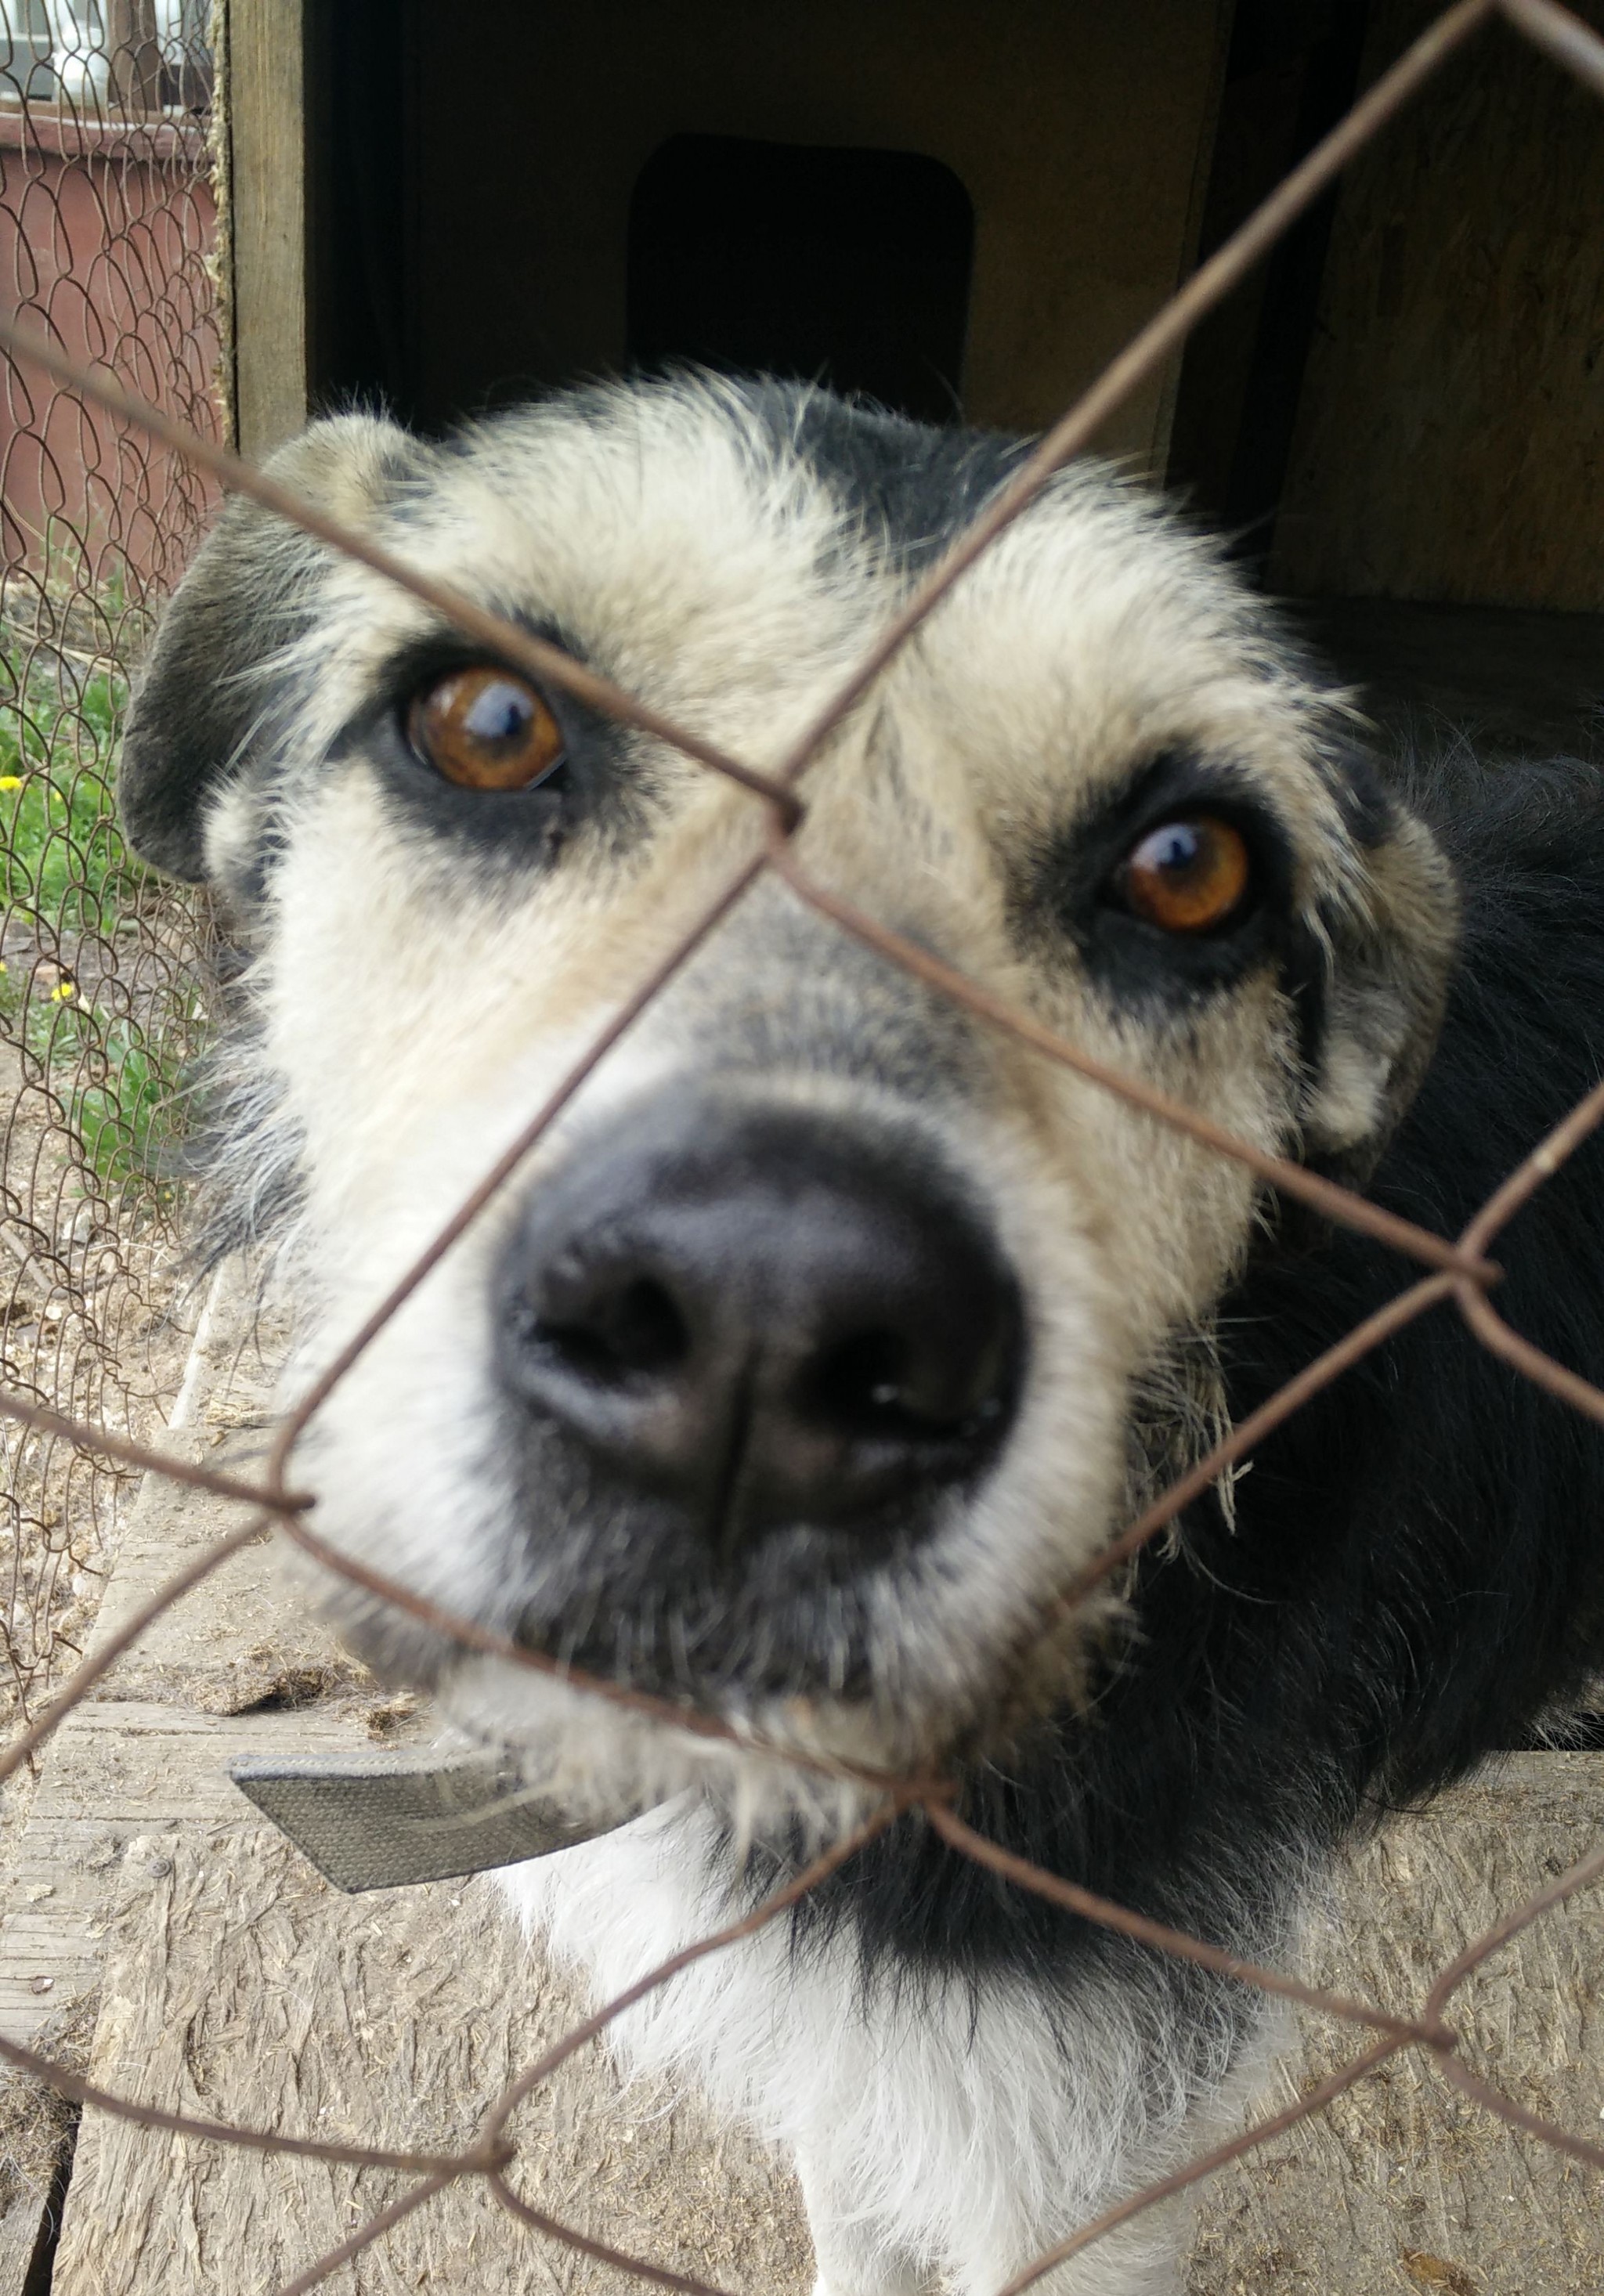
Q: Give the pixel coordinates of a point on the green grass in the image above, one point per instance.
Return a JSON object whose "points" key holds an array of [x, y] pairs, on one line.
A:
{"points": [[62, 854], [117, 1098], [63, 870]]}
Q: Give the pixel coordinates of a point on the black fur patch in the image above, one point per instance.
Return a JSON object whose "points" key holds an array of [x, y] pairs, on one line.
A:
{"points": [[1418, 1563], [919, 487]]}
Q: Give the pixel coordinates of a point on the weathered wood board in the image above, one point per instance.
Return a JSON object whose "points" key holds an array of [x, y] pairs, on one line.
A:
{"points": [[239, 1986], [265, 100], [1404, 2184], [1450, 440]]}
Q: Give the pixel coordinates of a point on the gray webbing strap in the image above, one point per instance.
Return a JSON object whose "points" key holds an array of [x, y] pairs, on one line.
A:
{"points": [[377, 1821]]}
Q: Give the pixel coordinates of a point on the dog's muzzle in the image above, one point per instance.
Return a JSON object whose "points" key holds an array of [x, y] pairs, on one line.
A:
{"points": [[762, 1317]]}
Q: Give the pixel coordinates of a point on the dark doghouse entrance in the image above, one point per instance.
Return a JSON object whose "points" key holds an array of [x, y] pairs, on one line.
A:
{"points": [[967, 211], [849, 268]]}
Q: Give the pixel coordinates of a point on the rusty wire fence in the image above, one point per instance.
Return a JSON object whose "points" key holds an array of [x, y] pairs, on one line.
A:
{"points": [[107, 225], [1453, 1272]]}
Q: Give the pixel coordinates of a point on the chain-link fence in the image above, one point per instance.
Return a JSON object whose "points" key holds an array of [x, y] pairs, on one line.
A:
{"points": [[1455, 1272], [107, 225]]}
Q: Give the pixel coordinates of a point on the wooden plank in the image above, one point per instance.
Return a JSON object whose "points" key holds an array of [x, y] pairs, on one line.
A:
{"points": [[240, 1986], [1404, 2185], [117, 1770], [1450, 443], [264, 100], [151, 1749]]}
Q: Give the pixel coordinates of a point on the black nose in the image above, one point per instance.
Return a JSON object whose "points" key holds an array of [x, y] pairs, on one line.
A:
{"points": [[766, 1321]]}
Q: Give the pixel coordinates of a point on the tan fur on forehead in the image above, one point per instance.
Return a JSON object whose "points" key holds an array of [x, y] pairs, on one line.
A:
{"points": [[697, 561], [1097, 634], [670, 546]]}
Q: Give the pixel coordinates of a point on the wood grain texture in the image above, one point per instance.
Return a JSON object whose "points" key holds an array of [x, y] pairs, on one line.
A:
{"points": [[238, 1984], [1404, 2184], [1451, 438], [265, 96]]}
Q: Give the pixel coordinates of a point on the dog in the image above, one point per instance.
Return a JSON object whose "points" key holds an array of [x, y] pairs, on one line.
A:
{"points": [[830, 1333]]}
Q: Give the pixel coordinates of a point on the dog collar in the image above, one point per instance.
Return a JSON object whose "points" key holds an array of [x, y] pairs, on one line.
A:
{"points": [[383, 1821]]}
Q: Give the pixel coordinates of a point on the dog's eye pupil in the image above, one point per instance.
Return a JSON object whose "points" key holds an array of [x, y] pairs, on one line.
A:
{"points": [[1187, 876], [500, 714], [485, 729]]}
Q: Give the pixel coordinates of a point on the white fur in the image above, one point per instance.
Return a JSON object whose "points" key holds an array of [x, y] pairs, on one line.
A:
{"points": [[938, 2130]]}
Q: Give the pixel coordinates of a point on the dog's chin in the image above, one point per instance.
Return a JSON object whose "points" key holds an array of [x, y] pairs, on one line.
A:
{"points": [[796, 1770], [609, 1749], [810, 1671]]}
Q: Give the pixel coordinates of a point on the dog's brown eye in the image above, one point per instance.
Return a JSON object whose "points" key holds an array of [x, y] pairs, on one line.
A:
{"points": [[1187, 876], [484, 729]]}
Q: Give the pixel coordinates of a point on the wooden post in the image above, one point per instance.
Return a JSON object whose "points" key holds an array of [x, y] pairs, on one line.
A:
{"points": [[265, 107]]}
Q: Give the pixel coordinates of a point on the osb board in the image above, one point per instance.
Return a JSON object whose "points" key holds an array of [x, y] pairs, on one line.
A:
{"points": [[1449, 442], [238, 1986], [1403, 2184]]}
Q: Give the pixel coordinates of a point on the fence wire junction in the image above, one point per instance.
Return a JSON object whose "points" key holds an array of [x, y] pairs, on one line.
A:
{"points": [[1457, 1271]]}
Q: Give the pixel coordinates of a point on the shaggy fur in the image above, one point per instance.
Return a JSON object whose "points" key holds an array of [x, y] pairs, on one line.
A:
{"points": [[1415, 992]]}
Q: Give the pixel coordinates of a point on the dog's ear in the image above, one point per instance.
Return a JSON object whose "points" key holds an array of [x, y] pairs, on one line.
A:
{"points": [[1390, 956], [201, 696]]}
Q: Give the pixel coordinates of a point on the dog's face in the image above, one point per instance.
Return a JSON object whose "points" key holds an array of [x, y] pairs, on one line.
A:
{"points": [[830, 1331]]}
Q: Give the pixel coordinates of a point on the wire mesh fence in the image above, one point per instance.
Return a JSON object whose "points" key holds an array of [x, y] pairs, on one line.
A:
{"points": [[106, 232], [1454, 1272]]}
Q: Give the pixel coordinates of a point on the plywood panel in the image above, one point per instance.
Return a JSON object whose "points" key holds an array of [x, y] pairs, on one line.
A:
{"points": [[1079, 131], [239, 1985], [1451, 439], [1404, 2184]]}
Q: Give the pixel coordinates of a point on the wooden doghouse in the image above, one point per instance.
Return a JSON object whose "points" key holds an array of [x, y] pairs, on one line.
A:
{"points": [[966, 210]]}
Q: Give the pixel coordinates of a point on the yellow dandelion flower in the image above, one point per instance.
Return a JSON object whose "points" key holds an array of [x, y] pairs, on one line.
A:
{"points": [[62, 990], [11, 781]]}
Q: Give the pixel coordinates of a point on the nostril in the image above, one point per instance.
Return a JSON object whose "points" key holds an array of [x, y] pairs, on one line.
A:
{"points": [[644, 1328], [883, 1383], [610, 1330], [862, 1385]]}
